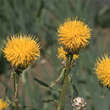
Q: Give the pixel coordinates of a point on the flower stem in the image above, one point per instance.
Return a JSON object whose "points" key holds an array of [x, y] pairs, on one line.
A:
{"points": [[58, 79], [61, 103], [16, 81]]}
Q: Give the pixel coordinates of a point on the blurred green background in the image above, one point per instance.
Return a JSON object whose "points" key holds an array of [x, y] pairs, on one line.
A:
{"points": [[41, 18]]}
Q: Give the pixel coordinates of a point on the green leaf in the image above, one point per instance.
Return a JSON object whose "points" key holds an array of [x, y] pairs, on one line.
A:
{"points": [[41, 82]]}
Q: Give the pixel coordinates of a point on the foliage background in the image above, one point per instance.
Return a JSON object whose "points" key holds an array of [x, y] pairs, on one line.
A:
{"points": [[41, 18]]}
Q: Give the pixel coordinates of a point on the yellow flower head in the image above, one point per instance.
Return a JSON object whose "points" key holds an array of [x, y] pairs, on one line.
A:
{"points": [[103, 70], [3, 104], [62, 54], [75, 56], [74, 34], [21, 50]]}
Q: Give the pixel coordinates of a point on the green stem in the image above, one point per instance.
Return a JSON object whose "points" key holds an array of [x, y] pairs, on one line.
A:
{"points": [[58, 79], [16, 81], [73, 89], [61, 103]]}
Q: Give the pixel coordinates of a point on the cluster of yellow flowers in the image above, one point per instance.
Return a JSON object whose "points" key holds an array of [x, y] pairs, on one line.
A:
{"points": [[3, 104], [21, 50], [73, 35], [62, 54]]}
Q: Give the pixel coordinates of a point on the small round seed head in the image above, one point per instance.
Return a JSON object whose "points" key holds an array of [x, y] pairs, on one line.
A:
{"points": [[79, 103]]}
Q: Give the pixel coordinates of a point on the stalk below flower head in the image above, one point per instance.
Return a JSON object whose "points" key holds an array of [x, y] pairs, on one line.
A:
{"points": [[21, 50], [103, 70], [74, 34]]}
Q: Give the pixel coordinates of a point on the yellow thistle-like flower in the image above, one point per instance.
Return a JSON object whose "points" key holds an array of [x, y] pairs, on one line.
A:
{"points": [[74, 34], [103, 70], [21, 50], [62, 54], [3, 104]]}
